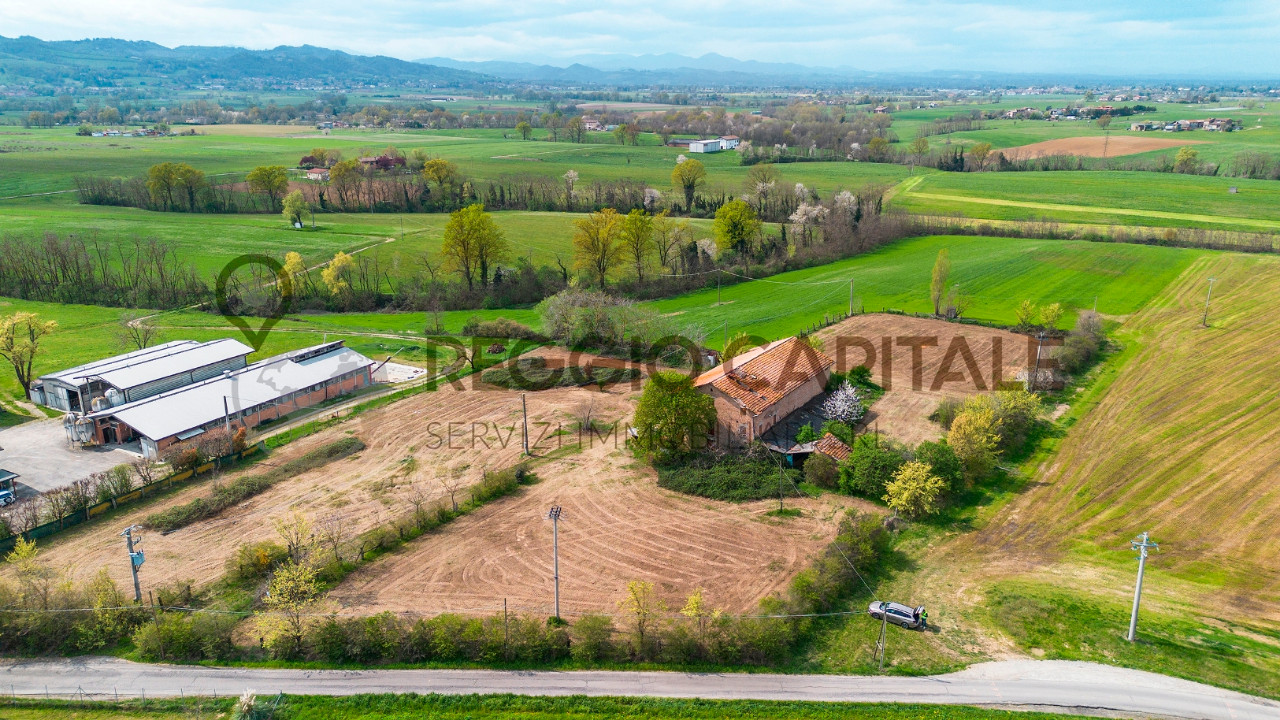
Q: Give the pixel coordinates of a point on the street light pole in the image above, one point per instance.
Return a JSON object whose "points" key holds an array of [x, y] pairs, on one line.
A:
{"points": [[554, 515]]}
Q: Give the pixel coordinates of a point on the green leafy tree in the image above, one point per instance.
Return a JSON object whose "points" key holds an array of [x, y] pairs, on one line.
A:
{"points": [[473, 244], [188, 182], [596, 246], [636, 235], [1050, 315], [525, 130], [975, 437], [295, 205], [946, 465], [20, 336], [915, 491], [687, 177], [440, 171], [919, 148], [293, 596], [644, 609], [672, 417], [870, 466], [1187, 161], [938, 286], [736, 226], [162, 182], [980, 154], [1027, 314], [269, 180]]}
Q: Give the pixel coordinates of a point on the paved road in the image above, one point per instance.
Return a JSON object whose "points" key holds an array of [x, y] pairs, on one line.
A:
{"points": [[1078, 687]]}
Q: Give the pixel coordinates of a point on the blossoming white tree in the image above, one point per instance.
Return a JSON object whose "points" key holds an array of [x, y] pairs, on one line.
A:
{"points": [[845, 404]]}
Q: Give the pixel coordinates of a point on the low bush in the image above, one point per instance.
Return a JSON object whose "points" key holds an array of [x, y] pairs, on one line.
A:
{"points": [[946, 465], [187, 636], [243, 488], [533, 374], [822, 471], [737, 478], [252, 561], [500, 328], [871, 466]]}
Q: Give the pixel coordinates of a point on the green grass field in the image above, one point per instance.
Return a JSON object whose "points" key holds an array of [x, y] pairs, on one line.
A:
{"points": [[484, 707], [1122, 198]]}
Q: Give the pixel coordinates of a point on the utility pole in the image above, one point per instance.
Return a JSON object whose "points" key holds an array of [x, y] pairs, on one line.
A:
{"points": [[850, 297], [524, 410], [1035, 378], [718, 274], [136, 558], [884, 634], [1142, 544], [554, 516], [1207, 297]]}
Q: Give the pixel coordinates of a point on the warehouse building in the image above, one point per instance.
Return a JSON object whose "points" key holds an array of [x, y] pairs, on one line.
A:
{"points": [[244, 397], [138, 375]]}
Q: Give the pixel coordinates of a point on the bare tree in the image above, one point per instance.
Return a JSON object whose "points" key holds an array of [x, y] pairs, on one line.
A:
{"points": [[136, 333], [145, 470], [296, 532], [584, 414], [333, 532], [452, 483]]}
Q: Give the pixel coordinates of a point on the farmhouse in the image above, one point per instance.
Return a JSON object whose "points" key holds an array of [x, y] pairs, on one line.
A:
{"points": [[318, 174], [247, 397], [756, 389], [137, 375]]}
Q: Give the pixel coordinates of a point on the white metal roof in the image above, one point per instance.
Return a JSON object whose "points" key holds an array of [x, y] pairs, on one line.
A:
{"points": [[143, 366], [262, 382]]}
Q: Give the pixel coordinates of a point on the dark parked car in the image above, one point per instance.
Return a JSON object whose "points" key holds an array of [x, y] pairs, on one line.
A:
{"points": [[898, 614]]}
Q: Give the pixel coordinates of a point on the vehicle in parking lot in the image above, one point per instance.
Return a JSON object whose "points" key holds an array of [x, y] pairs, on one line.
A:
{"points": [[898, 614], [7, 497]]}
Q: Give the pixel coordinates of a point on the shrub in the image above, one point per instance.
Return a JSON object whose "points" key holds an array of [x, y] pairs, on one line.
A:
{"points": [[975, 438], [594, 319], [948, 409], [915, 490], [870, 466], [533, 374], [500, 327], [841, 430], [822, 471], [252, 561], [736, 478], [806, 435], [245, 487], [1082, 344], [943, 460]]}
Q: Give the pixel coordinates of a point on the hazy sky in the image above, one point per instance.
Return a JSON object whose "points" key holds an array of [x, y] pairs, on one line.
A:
{"points": [[1110, 36]]}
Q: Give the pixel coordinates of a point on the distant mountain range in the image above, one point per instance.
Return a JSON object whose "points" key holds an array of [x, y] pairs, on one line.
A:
{"points": [[109, 62]]}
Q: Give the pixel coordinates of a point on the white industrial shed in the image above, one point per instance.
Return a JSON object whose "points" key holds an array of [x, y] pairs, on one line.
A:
{"points": [[246, 397], [139, 374]]}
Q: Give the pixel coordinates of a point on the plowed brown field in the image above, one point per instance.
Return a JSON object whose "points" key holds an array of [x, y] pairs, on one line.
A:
{"points": [[617, 526], [913, 388], [1094, 146], [449, 431]]}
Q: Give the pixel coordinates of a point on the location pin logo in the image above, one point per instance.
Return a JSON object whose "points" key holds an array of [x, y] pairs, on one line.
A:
{"points": [[284, 282]]}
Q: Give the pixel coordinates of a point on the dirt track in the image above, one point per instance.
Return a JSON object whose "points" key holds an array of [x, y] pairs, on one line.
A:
{"points": [[1094, 146], [910, 397]]}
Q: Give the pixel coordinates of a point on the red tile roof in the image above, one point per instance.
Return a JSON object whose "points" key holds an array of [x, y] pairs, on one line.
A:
{"points": [[761, 377], [832, 447]]}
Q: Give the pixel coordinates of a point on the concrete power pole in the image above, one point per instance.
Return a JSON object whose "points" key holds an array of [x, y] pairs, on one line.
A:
{"points": [[1207, 297], [1142, 544], [554, 516], [524, 410], [136, 558]]}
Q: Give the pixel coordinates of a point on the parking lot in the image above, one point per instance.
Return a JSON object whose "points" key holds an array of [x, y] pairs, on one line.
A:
{"points": [[39, 453]]}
